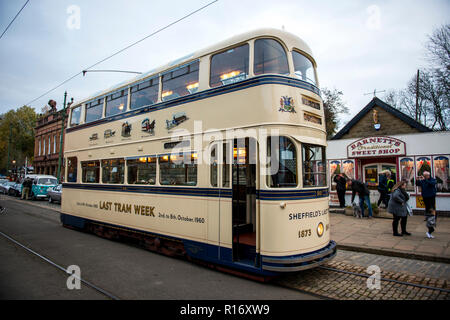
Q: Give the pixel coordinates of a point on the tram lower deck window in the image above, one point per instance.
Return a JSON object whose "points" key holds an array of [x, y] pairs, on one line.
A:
{"points": [[113, 171], [314, 174], [142, 170], [72, 165], [283, 163], [90, 171], [178, 169]]}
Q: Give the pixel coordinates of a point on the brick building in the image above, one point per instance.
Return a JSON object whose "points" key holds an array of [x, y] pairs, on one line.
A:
{"points": [[47, 138], [380, 138]]}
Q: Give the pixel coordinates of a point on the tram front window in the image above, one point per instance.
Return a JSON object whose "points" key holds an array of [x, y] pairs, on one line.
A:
{"points": [[304, 68], [283, 163], [270, 57], [314, 174]]}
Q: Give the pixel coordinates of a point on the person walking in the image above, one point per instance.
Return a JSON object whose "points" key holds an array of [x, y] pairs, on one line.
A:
{"points": [[397, 207], [363, 193], [26, 184], [341, 186], [431, 222], [383, 187], [428, 190]]}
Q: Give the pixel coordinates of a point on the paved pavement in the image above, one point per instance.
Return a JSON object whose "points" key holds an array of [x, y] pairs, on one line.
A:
{"points": [[375, 236]]}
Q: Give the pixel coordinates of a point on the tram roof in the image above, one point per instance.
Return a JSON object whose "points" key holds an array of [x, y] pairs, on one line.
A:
{"points": [[290, 40]]}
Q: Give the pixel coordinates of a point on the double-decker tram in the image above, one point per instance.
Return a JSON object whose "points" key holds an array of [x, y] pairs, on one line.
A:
{"points": [[218, 157]]}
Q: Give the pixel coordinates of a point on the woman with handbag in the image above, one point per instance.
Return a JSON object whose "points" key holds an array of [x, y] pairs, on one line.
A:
{"points": [[398, 207]]}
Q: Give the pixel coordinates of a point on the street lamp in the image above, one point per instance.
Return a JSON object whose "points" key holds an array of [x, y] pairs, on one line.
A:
{"points": [[61, 135]]}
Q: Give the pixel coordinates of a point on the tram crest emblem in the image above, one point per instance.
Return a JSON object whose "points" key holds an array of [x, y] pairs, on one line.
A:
{"points": [[287, 104], [147, 126], [126, 129], [108, 134]]}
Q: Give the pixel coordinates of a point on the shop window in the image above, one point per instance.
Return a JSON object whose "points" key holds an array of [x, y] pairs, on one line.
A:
{"points": [[229, 66], [407, 172], [371, 176], [314, 171], [113, 171], [270, 57], [116, 103], [90, 171], [94, 110], [178, 169], [423, 164], [442, 173], [180, 82], [141, 170], [348, 169], [303, 68], [335, 169], [144, 94], [283, 163], [72, 166]]}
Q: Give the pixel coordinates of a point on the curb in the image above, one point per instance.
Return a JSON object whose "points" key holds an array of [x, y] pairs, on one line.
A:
{"points": [[397, 253]]}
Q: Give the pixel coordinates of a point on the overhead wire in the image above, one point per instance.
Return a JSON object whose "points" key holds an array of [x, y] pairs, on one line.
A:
{"points": [[14, 18], [122, 50]]}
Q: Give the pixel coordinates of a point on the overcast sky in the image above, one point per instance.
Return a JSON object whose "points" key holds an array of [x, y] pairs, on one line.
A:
{"points": [[359, 45]]}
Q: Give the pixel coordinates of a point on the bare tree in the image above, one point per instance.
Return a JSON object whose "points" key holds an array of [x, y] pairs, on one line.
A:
{"points": [[333, 106]]}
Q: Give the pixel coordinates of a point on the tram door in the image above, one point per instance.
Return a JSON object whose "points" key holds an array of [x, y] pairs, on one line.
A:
{"points": [[244, 201]]}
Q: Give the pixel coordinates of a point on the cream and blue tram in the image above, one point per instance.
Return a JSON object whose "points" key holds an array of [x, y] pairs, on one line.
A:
{"points": [[218, 157]]}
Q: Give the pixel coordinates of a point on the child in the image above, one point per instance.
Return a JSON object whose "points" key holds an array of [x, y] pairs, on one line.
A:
{"points": [[431, 222]]}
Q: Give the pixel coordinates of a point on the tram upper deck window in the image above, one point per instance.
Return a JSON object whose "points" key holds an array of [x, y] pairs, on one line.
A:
{"points": [[270, 57], [178, 169], [180, 82], [90, 171], [144, 94], [142, 170], [283, 163], [113, 170], [304, 68], [75, 116], [229, 66], [94, 110], [314, 174], [116, 102]]}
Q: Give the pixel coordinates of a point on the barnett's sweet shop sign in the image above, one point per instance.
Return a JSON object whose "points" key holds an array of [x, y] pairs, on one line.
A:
{"points": [[376, 147]]}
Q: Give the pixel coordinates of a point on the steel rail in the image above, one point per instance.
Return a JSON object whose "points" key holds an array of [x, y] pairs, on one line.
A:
{"points": [[104, 292]]}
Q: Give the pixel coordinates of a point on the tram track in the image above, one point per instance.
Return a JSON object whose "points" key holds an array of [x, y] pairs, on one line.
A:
{"points": [[59, 267]]}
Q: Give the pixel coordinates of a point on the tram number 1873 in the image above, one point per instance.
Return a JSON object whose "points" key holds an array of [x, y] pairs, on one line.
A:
{"points": [[304, 233]]}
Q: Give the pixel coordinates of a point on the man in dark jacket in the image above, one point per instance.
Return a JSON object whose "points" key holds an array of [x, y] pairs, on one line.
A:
{"points": [[27, 184], [363, 194], [383, 187], [428, 186], [341, 183]]}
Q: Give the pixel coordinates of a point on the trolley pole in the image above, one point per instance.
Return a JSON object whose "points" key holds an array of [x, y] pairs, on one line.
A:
{"points": [[61, 137]]}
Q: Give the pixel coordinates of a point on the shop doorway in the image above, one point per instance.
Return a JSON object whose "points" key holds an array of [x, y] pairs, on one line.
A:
{"points": [[371, 174]]}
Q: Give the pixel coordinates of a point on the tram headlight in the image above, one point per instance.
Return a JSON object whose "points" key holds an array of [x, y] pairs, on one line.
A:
{"points": [[320, 229]]}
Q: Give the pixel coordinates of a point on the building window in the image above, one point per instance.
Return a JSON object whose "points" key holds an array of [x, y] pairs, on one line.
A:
{"points": [[113, 171], [180, 82], [43, 140], [75, 116], [178, 169], [442, 173], [116, 103], [39, 147], [348, 169], [144, 94], [283, 163], [423, 164], [94, 110], [90, 171], [49, 145], [54, 144], [304, 68], [142, 170], [314, 174], [270, 57], [229, 66], [72, 166]]}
